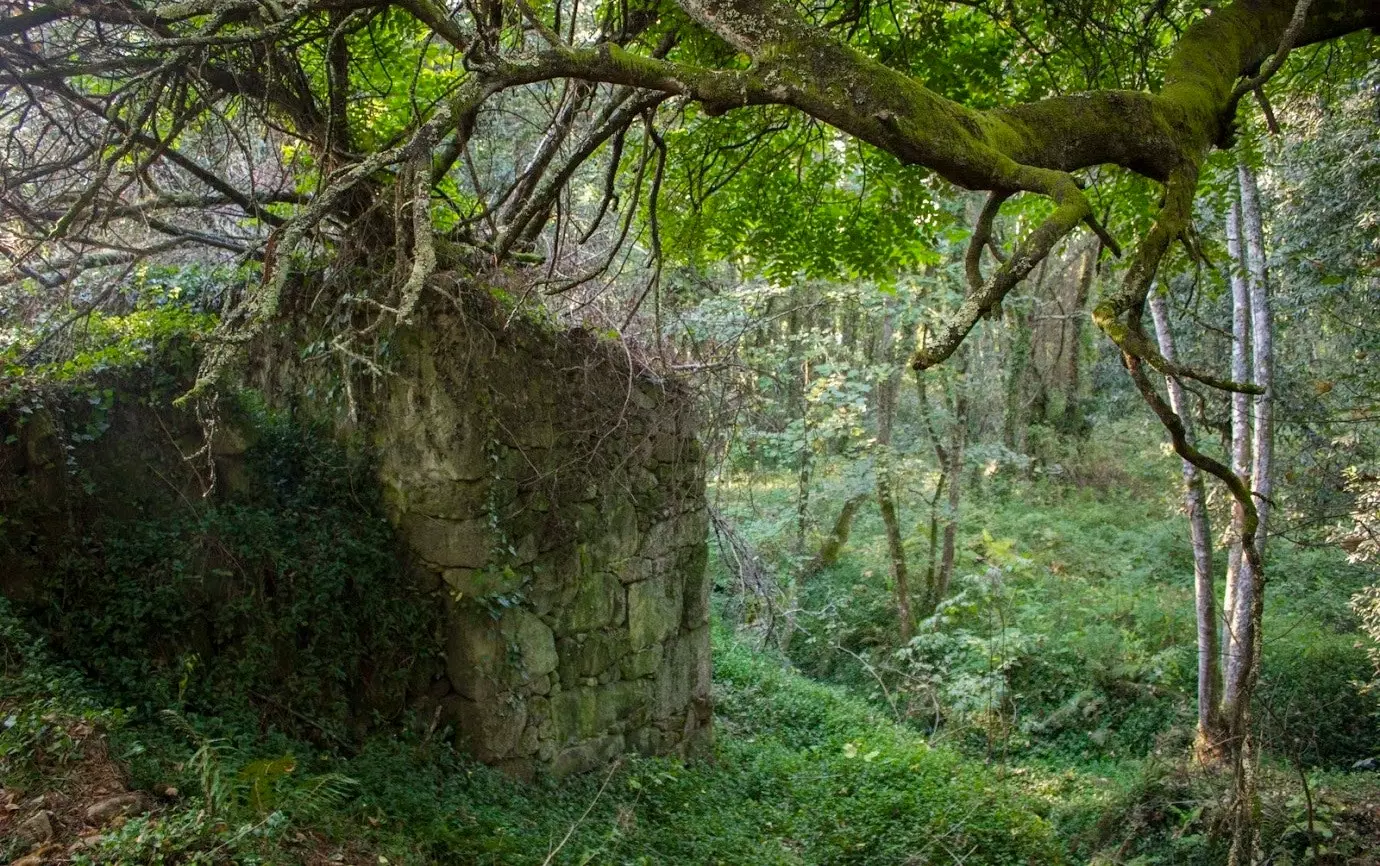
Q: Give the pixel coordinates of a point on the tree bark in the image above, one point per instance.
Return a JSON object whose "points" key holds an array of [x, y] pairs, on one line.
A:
{"points": [[886, 501], [1236, 600], [1211, 738], [832, 546], [958, 438], [1262, 352], [1073, 420], [948, 453]]}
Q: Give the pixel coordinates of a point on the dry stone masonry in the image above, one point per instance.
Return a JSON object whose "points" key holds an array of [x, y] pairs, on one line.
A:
{"points": [[550, 497]]}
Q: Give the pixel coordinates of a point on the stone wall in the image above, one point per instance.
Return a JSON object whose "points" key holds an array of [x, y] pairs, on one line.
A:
{"points": [[550, 495]]}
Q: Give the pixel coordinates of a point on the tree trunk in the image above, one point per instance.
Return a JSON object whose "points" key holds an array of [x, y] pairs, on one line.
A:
{"points": [[1073, 420], [805, 456], [834, 542], [1211, 738], [1243, 675], [1236, 601], [1014, 420], [886, 500], [1262, 353], [949, 461], [958, 440]]}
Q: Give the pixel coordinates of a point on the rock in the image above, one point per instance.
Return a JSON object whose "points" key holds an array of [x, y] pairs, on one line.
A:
{"points": [[481, 582], [1366, 764], [665, 448], [37, 828], [449, 543], [642, 664], [696, 588], [120, 805], [518, 769], [674, 679], [645, 741], [485, 656], [654, 611], [491, 729], [590, 711], [587, 756], [555, 580], [596, 601], [620, 537], [52, 853]]}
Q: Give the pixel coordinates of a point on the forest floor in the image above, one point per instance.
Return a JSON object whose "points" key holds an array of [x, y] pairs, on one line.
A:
{"points": [[1041, 717]]}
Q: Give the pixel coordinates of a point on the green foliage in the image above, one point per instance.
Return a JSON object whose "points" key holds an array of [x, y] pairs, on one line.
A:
{"points": [[37, 692], [57, 730], [804, 774], [161, 315], [1068, 636], [284, 598]]}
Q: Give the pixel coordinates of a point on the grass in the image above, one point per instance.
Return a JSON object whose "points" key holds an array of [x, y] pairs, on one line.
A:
{"points": [[803, 773]]}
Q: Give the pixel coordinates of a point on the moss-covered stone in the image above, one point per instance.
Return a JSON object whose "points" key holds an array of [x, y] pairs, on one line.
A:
{"points": [[641, 664], [591, 657], [587, 756], [554, 513], [589, 711], [654, 610], [696, 606], [449, 543], [486, 656], [491, 729], [596, 600]]}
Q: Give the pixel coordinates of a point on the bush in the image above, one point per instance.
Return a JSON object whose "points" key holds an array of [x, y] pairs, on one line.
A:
{"points": [[288, 598]]}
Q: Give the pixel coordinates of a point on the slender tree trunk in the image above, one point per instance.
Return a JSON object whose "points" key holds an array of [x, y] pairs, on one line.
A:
{"points": [[958, 440], [1245, 838], [1073, 420], [1262, 353], [949, 461], [1236, 603], [832, 545], [805, 456], [1212, 738], [886, 500], [930, 601], [1249, 599], [1014, 420]]}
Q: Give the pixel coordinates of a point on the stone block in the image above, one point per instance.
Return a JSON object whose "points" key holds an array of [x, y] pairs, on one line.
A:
{"points": [[555, 581], [699, 658], [481, 582], [587, 756], [634, 570], [595, 602], [620, 535], [599, 652], [674, 680], [518, 769], [485, 656], [645, 741], [641, 664], [590, 711], [654, 610], [696, 583], [666, 448], [448, 543], [491, 729]]}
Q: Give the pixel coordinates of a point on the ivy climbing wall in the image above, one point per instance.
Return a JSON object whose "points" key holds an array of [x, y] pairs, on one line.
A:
{"points": [[549, 493]]}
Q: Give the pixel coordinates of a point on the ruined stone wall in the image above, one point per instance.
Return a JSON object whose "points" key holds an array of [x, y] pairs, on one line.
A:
{"points": [[550, 495]]}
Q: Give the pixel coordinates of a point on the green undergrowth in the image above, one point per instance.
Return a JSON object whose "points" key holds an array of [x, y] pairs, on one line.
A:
{"points": [[802, 773], [1068, 635], [279, 599]]}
